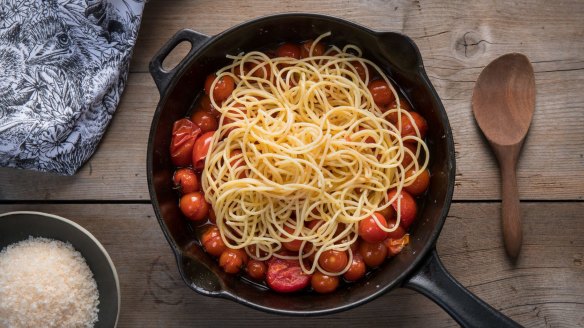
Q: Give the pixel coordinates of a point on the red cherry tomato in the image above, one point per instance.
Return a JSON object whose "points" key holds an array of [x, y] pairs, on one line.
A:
{"points": [[293, 245], [201, 148], [194, 206], [290, 50], [205, 120], [223, 88], [407, 157], [305, 49], [420, 184], [392, 117], [370, 231], [333, 261], [357, 269], [232, 260], [204, 104], [395, 246], [185, 180], [256, 270], [398, 232], [373, 253], [212, 242], [408, 126], [381, 92], [361, 69], [388, 213], [408, 208], [286, 276], [322, 283], [263, 70], [184, 134]]}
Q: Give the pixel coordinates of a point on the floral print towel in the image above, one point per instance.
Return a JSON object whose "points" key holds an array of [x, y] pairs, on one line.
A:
{"points": [[63, 67]]}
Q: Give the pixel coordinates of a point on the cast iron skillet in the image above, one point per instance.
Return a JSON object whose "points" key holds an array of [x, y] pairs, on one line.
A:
{"points": [[418, 267]]}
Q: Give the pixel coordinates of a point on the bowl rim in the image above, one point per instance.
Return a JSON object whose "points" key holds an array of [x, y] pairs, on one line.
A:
{"points": [[88, 234]]}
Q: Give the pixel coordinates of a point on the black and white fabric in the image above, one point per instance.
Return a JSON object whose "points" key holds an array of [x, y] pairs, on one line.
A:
{"points": [[63, 67]]}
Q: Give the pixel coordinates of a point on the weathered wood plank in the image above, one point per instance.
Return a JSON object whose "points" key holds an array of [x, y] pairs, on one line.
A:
{"points": [[544, 288]]}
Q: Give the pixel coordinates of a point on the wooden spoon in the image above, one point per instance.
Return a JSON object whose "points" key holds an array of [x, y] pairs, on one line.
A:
{"points": [[503, 102]]}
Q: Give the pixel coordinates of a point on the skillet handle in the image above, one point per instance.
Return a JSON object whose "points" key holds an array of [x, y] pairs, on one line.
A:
{"points": [[163, 77], [437, 284]]}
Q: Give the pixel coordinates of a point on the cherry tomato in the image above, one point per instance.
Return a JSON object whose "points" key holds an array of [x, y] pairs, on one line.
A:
{"points": [[263, 70], [286, 276], [212, 242], [361, 69], [388, 213], [408, 126], [232, 260], [398, 232], [290, 50], [239, 72], [381, 92], [185, 180], [392, 117], [184, 134], [357, 269], [420, 184], [256, 269], [201, 148], [407, 157], [408, 208], [333, 261], [223, 88], [204, 104], [395, 246], [293, 245], [322, 283], [373, 253], [194, 206], [212, 217], [370, 231], [205, 120], [305, 49]]}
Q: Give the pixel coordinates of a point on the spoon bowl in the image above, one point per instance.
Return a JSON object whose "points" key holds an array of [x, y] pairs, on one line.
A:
{"points": [[503, 103]]}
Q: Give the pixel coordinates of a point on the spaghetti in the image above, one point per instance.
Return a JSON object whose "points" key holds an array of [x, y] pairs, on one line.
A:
{"points": [[303, 154]]}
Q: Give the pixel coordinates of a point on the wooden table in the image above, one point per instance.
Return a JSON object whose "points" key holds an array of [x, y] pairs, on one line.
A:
{"points": [[109, 195]]}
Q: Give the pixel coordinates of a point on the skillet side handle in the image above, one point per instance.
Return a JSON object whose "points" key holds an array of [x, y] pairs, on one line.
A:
{"points": [[433, 281], [163, 77]]}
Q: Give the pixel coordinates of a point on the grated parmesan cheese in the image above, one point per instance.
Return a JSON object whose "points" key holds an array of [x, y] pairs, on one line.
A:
{"points": [[46, 283]]}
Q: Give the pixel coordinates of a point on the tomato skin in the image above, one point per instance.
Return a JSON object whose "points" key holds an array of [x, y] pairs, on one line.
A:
{"points": [[381, 92], [395, 246], [420, 184], [408, 207], [408, 126], [322, 283], [293, 245], [408, 159], [256, 270], [232, 260], [403, 104], [200, 150], [357, 269], [361, 69], [333, 261], [373, 253], [388, 213], [370, 231], [184, 134], [194, 206], [185, 180], [286, 276], [398, 232], [205, 120], [288, 49], [223, 88], [212, 242], [305, 49]]}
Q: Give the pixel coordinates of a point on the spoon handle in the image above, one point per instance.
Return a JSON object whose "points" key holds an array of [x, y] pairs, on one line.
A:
{"points": [[510, 212]]}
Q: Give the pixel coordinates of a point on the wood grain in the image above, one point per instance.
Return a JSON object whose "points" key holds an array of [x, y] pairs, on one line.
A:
{"points": [[456, 38], [544, 288]]}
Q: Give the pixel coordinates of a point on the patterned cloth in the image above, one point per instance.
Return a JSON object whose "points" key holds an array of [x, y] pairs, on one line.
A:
{"points": [[63, 67]]}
